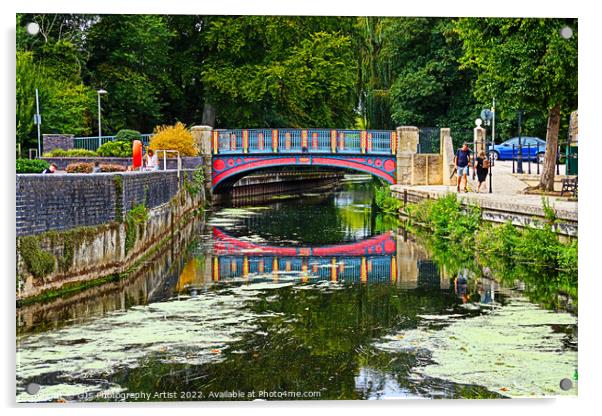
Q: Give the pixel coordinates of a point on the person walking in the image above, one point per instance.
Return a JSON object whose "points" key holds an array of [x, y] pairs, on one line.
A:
{"points": [[482, 168], [461, 163]]}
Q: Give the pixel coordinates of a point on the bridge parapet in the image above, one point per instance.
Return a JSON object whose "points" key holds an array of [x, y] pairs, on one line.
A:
{"points": [[244, 141]]}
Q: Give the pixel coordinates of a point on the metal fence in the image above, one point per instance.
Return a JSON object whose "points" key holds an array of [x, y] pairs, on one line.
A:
{"points": [[94, 142], [428, 140]]}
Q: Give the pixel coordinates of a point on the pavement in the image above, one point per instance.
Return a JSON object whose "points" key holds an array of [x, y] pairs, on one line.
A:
{"points": [[507, 193]]}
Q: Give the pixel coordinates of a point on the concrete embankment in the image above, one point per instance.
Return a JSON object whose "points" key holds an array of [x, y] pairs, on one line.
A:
{"points": [[76, 230], [521, 210]]}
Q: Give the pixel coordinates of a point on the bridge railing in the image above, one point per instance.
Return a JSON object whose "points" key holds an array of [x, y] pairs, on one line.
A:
{"points": [[240, 141]]}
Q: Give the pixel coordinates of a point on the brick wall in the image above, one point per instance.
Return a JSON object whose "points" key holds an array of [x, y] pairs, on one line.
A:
{"points": [[63, 201]]}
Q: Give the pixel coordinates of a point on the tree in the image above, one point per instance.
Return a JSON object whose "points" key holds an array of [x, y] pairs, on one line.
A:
{"points": [[264, 71], [26, 85], [526, 64], [130, 58]]}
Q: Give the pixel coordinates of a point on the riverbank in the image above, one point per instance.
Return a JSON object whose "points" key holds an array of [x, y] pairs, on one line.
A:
{"points": [[90, 235]]}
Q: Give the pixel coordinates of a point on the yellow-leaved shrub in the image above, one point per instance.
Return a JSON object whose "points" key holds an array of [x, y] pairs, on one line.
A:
{"points": [[176, 137]]}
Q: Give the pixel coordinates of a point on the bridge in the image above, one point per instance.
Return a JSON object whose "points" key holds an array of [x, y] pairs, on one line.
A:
{"points": [[238, 152], [383, 258], [372, 259]]}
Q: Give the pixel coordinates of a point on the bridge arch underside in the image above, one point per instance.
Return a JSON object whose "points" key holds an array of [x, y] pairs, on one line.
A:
{"points": [[229, 169]]}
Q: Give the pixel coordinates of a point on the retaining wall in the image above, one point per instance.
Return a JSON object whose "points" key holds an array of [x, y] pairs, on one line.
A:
{"points": [[63, 201]]}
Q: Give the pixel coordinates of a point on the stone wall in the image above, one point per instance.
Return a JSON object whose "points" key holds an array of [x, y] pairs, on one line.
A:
{"points": [[64, 201], [56, 141], [427, 169]]}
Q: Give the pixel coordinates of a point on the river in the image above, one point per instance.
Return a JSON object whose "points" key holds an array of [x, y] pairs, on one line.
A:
{"points": [[318, 297]]}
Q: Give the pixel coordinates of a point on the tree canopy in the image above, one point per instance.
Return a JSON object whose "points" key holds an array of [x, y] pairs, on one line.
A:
{"points": [[290, 71]]}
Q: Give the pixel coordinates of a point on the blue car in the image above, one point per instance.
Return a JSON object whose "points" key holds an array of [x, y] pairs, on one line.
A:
{"points": [[533, 148]]}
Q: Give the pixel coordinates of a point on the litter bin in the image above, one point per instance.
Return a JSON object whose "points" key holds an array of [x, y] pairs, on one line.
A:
{"points": [[572, 160]]}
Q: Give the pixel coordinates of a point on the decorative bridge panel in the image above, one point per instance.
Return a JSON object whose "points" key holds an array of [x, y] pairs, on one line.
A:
{"points": [[238, 151]]}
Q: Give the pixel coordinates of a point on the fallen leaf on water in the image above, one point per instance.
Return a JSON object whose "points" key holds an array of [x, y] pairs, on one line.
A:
{"points": [[504, 389], [215, 351]]}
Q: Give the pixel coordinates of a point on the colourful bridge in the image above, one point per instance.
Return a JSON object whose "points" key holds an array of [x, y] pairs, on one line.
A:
{"points": [[372, 259], [236, 153]]}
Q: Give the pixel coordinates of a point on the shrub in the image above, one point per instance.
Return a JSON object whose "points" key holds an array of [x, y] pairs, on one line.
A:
{"points": [[31, 165], [385, 201], [176, 137], [115, 149], [129, 136], [111, 167], [70, 153], [39, 262], [80, 167]]}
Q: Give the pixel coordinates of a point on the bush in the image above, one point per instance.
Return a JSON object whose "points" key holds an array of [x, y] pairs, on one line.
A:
{"points": [[111, 167], [115, 149], [31, 165], [39, 262], [70, 153], [176, 137], [129, 136], [80, 167]]}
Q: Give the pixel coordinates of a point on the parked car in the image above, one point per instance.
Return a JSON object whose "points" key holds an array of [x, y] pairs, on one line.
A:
{"points": [[533, 148]]}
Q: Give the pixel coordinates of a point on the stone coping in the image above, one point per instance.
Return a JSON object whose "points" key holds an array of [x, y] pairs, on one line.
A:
{"points": [[518, 204]]}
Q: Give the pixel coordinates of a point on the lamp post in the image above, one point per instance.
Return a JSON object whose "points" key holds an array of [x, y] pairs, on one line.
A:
{"points": [[100, 92], [519, 160]]}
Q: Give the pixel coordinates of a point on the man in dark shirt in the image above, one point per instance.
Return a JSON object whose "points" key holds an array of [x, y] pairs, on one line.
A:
{"points": [[461, 162]]}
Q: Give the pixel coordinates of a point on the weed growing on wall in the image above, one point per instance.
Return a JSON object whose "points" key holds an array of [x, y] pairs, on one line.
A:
{"points": [[137, 216]]}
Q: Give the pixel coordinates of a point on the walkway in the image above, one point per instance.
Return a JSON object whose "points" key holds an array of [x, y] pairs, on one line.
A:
{"points": [[507, 197]]}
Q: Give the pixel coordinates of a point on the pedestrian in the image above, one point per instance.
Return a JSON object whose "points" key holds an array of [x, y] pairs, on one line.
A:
{"points": [[482, 168], [49, 169], [96, 168], [461, 163], [151, 160]]}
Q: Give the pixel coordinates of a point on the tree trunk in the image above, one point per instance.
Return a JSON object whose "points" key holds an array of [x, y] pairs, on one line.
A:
{"points": [[208, 115], [546, 181]]}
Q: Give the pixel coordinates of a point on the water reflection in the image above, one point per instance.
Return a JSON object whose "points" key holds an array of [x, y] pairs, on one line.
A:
{"points": [[318, 295]]}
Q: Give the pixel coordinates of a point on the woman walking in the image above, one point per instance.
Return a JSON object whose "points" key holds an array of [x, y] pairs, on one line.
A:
{"points": [[482, 168]]}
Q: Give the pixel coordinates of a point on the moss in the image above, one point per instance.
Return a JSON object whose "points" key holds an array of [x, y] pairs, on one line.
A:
{"points": [[134, 221], [118, 182], [39, 262]]}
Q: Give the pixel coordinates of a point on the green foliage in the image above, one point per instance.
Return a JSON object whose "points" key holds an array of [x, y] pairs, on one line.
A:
{"points": [[525, 64], [126, 135], [31, 165], [118, 182], [280, 71], [115, 149], [64, 102], [70, 153], [39, 262], [130, 58], [385, 201], [197, 184], [447, 218], [136, 217]]}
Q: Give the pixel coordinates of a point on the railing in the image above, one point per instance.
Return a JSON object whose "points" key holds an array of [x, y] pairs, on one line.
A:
{"points": [[94, 142], [428, 140], [238, 141]]}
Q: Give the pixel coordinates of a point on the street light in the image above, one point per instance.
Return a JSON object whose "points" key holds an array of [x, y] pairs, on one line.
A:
{"points": [[100, 92]]}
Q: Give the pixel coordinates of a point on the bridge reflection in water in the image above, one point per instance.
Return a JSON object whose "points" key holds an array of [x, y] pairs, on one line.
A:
{"points": [[382, 258]]}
